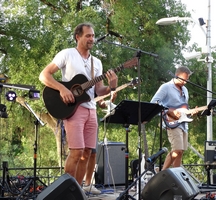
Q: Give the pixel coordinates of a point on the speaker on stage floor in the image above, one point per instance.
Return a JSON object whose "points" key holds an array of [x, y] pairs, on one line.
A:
{"points": [[64, 188], [111, 163], [169, 183]]}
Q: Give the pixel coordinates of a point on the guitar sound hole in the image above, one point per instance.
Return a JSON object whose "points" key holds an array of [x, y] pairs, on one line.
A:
{"points": [[77, 91]]}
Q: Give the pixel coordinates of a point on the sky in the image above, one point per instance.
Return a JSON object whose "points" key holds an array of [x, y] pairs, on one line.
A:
{"points": [[200, 9]]}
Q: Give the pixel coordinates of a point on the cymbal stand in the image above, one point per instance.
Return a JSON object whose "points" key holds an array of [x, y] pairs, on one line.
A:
{"points": [[33, 180]]}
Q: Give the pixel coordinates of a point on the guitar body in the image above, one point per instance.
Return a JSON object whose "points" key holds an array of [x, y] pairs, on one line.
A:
{"points": [[172, 123], [54, 104]]}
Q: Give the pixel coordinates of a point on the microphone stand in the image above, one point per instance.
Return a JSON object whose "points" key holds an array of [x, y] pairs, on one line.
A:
{"points": [[138, 55], [123, 195], [33, 180], [190, 82]]}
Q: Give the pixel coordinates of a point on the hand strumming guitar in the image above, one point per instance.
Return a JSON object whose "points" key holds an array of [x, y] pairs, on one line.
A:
{"points": [[175, 114]]}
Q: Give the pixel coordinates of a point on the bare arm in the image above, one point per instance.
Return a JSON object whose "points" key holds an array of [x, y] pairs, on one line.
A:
{"points": [[46, 77]]}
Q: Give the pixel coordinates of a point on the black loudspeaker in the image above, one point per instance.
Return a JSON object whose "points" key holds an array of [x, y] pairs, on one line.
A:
{"points": [[210, 154], [169, 183], [64, 188], [111, 163]]}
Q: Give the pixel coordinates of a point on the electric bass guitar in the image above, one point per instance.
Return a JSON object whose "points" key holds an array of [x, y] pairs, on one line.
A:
{"points": [[173, 123], [132, 83], [78, 86]]}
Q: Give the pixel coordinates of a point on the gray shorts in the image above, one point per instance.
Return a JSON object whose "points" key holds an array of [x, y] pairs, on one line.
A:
{"points": [[178, 139]]}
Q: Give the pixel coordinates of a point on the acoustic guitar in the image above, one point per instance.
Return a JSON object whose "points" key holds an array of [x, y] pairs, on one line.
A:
{"points": [[78, 86]]}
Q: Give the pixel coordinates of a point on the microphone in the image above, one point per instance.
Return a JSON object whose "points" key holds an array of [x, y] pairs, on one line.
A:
{"points": [[101, 38], [153, 158]]}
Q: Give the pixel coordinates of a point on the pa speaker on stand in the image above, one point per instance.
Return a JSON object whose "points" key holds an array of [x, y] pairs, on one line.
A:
{"points": [[170, 183]]}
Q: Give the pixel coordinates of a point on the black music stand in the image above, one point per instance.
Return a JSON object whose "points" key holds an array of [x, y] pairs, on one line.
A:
{"points": [[126, 113]]}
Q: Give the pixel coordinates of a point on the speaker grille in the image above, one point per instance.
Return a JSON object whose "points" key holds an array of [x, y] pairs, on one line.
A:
{"points": [[111, 155]]}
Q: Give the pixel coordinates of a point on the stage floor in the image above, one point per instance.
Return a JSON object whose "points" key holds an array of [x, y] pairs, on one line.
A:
{"points": [[115, 194]]}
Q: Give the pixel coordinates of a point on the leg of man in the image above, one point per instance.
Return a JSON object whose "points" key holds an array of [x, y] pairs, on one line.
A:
{"points": [[178, 158], [168, 161], [82, 165], [179, 141], [88, 187], [81, 139], [90, 169], [72, 161], [173, 158]]}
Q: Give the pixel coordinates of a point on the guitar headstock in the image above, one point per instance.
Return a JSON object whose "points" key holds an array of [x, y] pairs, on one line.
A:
{"points": [[131, 63], [135, 82]]}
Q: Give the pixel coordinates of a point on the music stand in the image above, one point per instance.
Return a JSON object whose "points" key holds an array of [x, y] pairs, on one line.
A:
{"points": [[126, 113]]}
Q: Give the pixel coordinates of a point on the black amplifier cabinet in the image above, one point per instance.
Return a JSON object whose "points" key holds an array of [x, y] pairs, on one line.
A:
{"points": [[210, 154]]}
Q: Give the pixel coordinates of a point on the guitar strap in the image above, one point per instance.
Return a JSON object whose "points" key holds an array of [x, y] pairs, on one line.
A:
{"points": [[92, 68]]}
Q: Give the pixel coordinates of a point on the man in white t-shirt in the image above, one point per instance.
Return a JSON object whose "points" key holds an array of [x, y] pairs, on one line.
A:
{"points": [[81, 127]]}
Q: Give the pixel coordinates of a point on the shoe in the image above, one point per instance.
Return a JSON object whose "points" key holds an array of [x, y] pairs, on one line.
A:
{"points": [[91, 189]]}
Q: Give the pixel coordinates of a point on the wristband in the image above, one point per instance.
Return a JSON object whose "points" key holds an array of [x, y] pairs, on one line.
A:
{"points": [[112, 89]]}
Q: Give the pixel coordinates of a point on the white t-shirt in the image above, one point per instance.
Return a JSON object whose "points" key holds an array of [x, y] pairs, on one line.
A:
{"points": [[71, 63]]}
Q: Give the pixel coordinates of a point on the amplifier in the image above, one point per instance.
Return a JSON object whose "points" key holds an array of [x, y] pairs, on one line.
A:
{"points": [[210, 153], [111, 163]]}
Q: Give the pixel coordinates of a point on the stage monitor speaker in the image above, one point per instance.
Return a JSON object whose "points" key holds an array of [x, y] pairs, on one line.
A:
{"points": [[64, 188], [169, 183], [210, 154], [111, 163]]}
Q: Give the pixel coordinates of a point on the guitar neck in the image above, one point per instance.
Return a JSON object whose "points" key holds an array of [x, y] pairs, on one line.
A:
{"points": [[196, 109], [117, 89], [127, 64], [92, 82]]}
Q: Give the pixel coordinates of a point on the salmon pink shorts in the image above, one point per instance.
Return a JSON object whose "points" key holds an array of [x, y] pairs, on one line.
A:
{"points": [[81, 128]]}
